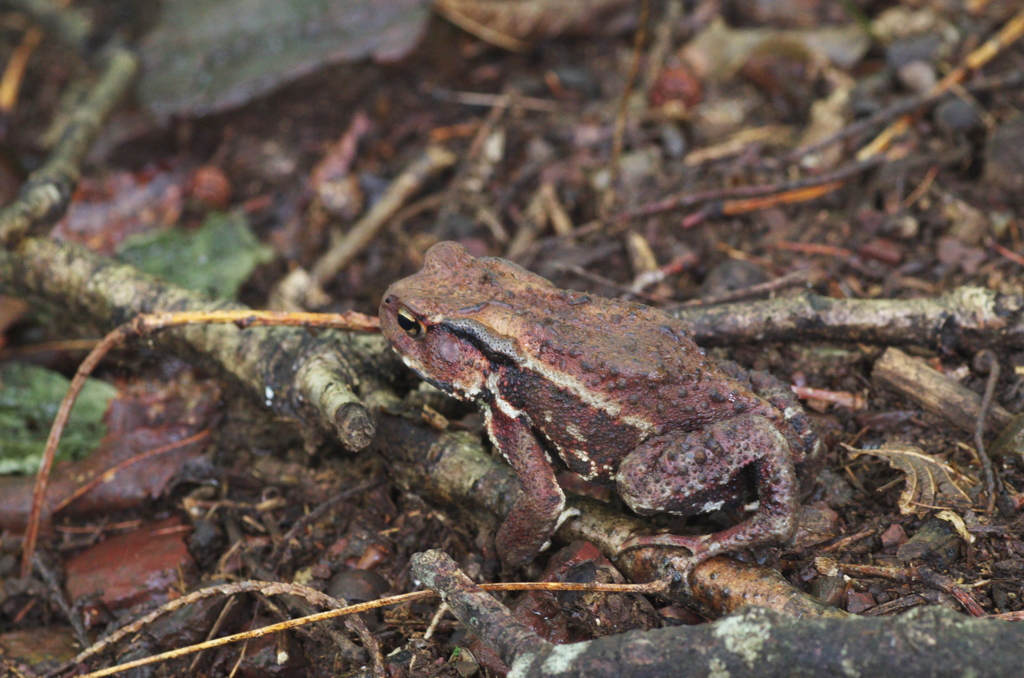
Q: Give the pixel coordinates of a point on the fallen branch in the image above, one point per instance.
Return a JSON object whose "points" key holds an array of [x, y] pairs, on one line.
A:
{"points": [[913, 378], [966, 319], [929, 642], [311, 380]]}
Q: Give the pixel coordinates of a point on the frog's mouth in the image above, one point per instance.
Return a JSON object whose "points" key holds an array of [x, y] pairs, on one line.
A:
{"points": [[448, 388]]}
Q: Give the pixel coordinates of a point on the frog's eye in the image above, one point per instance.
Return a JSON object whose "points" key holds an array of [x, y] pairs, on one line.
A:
{"points": [[414, 328]]}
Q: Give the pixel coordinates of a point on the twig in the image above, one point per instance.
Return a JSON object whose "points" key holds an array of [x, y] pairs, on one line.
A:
{"points": [[619, 134], [141, 325], [266, 588], [935, 391], [602, 280], [45, 195], [947, 584], [214, 631], [920, 573], [498, 110], [787, 197], [748, 192], [312, 517], [853, 401], [964, 319], [109, 475], [908, 105], [986, 360], [664, 31], [496, 100], [1007, 35], [434, 160], [274, 588], [10, 83], [56, 590], [1005, 253], [791, 279]]}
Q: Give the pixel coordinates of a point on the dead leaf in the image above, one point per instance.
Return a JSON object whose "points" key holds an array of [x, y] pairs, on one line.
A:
{"points": [[206, 56], [719, 51], [956, 521], [930, 483]]}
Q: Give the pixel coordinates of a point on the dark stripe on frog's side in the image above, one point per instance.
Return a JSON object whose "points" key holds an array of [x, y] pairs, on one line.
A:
{"points": [[496, 350]]}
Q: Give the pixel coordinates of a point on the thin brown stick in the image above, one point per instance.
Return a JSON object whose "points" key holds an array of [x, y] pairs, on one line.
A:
{"points": [[497, 100], [1005, 253], [434, 159], [986, 359], [109, 342], [497, 112], [271, 589], [142, 324], [44, 346], [748, 192], [803, 194], [10, 83], [791, 279], [111, 473], [619, 134]]}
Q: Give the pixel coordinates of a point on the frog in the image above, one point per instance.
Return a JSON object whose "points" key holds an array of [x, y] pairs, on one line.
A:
{"points": [[617, 390]]}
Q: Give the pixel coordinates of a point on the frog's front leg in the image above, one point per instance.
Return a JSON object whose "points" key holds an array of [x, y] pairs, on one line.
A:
{"points": [[534, 517], [694, 472]]}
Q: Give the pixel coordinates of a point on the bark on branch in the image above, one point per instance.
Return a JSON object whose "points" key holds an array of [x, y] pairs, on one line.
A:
{"points": [[310, 379], [965, 319], [929, 642]]}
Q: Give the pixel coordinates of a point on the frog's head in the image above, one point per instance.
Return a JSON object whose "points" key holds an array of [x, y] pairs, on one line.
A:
{"points": [[456, 318]]}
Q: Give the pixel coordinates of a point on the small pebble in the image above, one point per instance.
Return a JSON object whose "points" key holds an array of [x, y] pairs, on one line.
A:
{"points": [[918, 76]]}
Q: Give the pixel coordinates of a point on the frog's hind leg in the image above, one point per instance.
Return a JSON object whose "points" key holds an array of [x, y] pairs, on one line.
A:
{"points": [[803, 438], [679, 475]]}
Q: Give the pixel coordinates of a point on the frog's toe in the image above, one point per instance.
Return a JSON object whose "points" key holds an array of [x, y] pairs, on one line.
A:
{"points": [[695, 544]]}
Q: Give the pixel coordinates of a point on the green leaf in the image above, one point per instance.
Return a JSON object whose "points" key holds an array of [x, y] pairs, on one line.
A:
{"points": [[216, 259], [29, 398]]}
